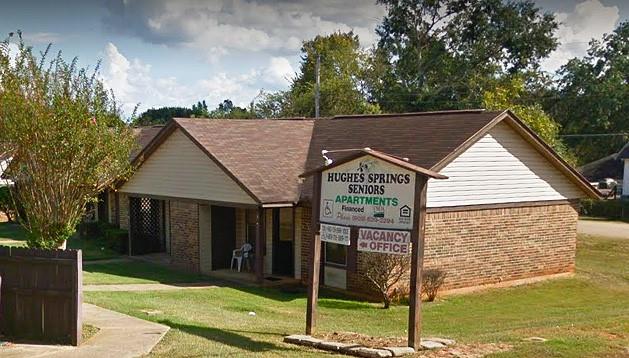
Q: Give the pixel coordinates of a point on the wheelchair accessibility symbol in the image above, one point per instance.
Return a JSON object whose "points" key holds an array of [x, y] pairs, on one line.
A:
{"points": [[328, 208]]}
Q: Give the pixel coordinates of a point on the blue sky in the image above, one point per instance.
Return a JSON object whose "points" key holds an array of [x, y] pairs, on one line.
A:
{"points": [[158, 52]]}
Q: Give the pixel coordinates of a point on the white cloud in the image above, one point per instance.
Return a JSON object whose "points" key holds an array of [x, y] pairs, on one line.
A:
{"points": [[218, 27], [133, 83], [589, 20], [279, 71]]}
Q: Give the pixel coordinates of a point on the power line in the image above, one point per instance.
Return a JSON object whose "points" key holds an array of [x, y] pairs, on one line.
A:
{"points": [[593, 135]]}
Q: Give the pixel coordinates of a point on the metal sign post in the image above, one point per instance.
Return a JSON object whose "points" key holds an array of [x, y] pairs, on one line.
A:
{"points": [[380, 197]]}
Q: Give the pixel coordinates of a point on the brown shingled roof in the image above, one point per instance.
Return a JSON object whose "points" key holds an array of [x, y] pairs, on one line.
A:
{"points": [[144, 136], [265, 157], [425, 139]]}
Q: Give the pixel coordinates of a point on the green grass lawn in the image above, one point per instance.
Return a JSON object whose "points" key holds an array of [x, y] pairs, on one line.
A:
{"points": [[126, 272], [12, 234], [587, 315]]}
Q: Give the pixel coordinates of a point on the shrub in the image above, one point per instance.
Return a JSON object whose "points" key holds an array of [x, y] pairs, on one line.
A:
{"points": [[89, 230], [108, 235], [116, 239], [611, 209], [385, 272], [432, 279]]}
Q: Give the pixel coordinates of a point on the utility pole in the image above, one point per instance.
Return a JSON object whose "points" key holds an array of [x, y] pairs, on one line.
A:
{"points": [[317, 85]]}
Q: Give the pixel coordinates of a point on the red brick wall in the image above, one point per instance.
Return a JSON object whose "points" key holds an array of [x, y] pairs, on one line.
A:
{"points": [[478, 247], [184, 239], [494, 245]]}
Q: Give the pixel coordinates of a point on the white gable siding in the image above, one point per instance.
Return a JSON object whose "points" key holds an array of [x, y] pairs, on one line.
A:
{"points": [[625, 180], [178, 168], [501, 167]]}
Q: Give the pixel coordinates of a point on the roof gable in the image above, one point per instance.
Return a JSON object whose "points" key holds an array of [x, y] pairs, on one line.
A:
{"points": [[178, 168], [265, 156]]}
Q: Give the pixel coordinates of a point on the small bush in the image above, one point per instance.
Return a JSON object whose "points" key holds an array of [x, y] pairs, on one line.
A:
{"points": [[89, 230], [116, 239], [108, 235], [385, 272], [432, 279], [610, 209]]}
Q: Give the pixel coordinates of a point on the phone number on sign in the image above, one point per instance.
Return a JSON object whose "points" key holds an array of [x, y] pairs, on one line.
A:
{"points": [[371, 219]]}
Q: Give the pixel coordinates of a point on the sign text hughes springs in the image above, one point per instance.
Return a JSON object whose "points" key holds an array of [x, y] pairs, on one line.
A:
{"points": [[368, 192]]}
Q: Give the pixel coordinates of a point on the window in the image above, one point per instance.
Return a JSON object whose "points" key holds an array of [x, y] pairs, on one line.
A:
{"points": [[286, 224], [335, 254]]}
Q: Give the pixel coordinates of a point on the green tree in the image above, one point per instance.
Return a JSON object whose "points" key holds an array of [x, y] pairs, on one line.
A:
{"points": [[227, 110], [342, 73], [200, 110], [272, 104], [509, 94], [66, 138], [593, 96], [162, 115], [443, 54]]}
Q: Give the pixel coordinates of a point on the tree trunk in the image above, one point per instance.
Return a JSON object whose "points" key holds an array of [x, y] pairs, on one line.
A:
{"points": [[386, 300]]}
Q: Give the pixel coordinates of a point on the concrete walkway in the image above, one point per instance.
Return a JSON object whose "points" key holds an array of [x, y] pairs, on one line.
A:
{"points": [[148, 287], [120, 336], [615, 229]]}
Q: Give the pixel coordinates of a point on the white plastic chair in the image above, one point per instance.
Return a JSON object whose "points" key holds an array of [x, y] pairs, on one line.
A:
{"points": [[239, 254]]}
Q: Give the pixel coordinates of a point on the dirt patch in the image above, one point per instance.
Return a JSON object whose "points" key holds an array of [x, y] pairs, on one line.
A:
{"points": [[362, 339], [467, 350], [458, 350]]}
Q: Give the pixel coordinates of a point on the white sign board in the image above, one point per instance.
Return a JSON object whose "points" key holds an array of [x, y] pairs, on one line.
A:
{"points": [[368, 192], [384, 241], [335, 234]]}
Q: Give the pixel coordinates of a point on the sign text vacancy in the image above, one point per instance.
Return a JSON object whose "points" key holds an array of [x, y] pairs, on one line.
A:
{"points": [[368, 192], [384, 241]]}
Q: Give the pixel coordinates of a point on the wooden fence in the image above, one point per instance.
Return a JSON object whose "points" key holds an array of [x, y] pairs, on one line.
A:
{"points": [[41, 294]]}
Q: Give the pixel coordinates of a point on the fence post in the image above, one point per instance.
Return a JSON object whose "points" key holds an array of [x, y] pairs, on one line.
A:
{"points": [[77, 327]]}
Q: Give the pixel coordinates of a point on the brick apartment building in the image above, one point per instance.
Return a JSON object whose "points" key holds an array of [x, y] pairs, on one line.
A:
{"points": [[202, 188]]}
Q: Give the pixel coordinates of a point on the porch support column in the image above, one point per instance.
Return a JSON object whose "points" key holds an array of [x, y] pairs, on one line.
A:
{"points": [[260, 240]]}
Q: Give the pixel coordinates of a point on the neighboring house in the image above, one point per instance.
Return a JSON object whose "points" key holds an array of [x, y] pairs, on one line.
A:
{"points": [[204, 187], [614, 166]]}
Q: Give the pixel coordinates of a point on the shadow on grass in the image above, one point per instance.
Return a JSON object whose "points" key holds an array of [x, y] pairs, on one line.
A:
{"points": [[12, 231], [103, 272], [343, 305], [227, 337], [106, 272]]}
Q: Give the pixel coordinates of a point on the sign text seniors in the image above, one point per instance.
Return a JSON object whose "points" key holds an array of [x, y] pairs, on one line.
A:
{"points": [[368, 192]]}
